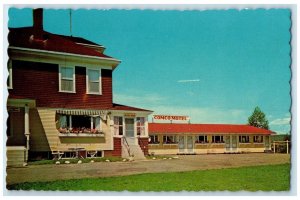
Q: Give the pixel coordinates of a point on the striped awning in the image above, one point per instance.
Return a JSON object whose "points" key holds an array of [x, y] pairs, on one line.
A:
{"points": [[94, 113]]}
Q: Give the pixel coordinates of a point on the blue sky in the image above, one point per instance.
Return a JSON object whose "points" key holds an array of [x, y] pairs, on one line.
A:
{"points": [[215, 66]]}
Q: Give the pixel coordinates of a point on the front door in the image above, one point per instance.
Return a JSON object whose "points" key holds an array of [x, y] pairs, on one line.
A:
{"points": [[129, 130], [186, 144]]}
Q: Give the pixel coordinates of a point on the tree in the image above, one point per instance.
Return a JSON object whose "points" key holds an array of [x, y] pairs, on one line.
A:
{"points": [[258, 119]]}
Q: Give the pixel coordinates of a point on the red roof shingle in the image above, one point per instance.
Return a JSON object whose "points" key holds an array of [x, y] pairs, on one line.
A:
{"points": [[166, 128], [26, 37]]}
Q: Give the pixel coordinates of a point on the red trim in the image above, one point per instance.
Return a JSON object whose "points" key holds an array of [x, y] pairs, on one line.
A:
{"points": [[164, 128]]}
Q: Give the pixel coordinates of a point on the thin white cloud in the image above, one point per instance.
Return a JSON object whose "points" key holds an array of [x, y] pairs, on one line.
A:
{"points": [[187, 81], [281, 121], [205, 115], [145, 101], [163, 105]]}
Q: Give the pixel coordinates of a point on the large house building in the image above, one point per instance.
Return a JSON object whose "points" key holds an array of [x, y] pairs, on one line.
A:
{"points": [[60, 101]]}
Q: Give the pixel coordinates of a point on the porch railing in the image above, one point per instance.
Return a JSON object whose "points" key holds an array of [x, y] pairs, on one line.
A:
{"points": [[142, 144], [125, 143]]}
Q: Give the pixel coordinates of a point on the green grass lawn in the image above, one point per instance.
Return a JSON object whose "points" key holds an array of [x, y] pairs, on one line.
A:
{"points": [[265, 178]]}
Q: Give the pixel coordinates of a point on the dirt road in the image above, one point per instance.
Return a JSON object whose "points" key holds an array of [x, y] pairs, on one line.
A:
{"points": [[104, 169]]}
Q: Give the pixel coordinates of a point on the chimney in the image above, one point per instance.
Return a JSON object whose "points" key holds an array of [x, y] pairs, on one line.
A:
{"points": [[38, 19]]}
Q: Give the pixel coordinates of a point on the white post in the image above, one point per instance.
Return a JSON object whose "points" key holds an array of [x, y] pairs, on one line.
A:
{"points": [[27, 133], [287, 147], [70, 121], [92, 123], [274, 144]]}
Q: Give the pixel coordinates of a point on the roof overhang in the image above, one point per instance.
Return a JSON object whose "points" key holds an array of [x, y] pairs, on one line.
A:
{"points": [[21, 102], [131, 111], [37, 55]]}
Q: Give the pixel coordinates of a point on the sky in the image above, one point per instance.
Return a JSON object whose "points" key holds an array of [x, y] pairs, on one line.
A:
{"points": [[214, 66]]}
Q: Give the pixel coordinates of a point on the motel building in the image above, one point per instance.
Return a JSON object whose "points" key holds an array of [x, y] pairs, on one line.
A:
{"points": [[185, 138]]}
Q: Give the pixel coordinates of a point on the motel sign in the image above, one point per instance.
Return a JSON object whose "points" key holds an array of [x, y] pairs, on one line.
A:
{"points": [[171, 117]]}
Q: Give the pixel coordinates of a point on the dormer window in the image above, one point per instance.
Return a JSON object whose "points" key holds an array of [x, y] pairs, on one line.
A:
{"points": [[67, 79], [93, 81]]}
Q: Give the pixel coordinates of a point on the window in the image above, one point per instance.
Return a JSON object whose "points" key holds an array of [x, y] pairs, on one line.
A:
{"points": [[258, 139], [217, 139], [170, 139], [154, 139], [93, 81], [9, 79], [140, 125], [78, 124], [118, 125], [201, 139], [244, 139], [67, 79]]}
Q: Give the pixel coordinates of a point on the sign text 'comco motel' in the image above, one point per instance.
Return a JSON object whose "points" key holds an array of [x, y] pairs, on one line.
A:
{"points": [[170, 117]]}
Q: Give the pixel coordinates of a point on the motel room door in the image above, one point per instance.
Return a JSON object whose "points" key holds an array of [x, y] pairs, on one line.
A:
{"points": [[129, 131], [231, 143], [186, 144], [181, 146], [267, 143], [234, 143]]}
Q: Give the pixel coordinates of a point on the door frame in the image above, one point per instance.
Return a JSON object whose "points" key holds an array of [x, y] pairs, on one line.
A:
{"points": [[185, 149], [229, 145], [130, 138]]}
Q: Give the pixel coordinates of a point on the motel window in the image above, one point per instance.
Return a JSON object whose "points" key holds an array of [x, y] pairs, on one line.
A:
{"points": [[118, 125], [258, 139], [93, 81], [170, 139], [78, 124], [217, 139], [67, 79], [154, 139], [201, 139], [140, 125], [9, 79], [244, 139]]}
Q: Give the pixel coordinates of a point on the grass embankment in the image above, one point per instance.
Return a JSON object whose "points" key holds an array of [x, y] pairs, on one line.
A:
{"points": [[265, 178]]}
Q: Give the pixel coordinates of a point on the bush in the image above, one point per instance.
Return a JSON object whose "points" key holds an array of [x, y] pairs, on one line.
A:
{"points": [[75, 161]]}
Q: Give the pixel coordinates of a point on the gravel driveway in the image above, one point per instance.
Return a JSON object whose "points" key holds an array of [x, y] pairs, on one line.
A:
{"points": [[51, 172]]}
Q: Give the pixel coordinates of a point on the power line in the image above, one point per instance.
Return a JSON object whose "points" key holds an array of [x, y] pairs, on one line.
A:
{"points": [[70, 12]]}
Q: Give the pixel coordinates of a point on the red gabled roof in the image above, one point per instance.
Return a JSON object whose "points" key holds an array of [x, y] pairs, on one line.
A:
{"points": [[164, 128], [129, 108], [27, 37]]}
